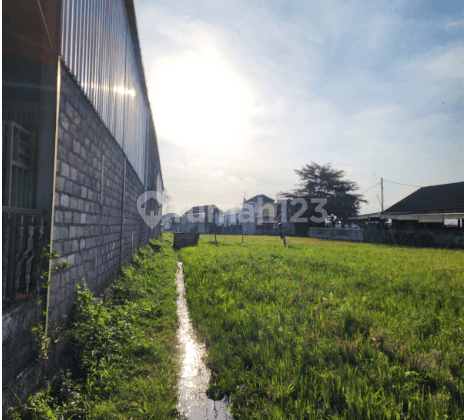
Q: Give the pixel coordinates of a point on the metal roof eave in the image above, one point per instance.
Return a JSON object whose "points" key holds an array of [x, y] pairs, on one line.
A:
{"points": [[422, 217], [366, 216]]}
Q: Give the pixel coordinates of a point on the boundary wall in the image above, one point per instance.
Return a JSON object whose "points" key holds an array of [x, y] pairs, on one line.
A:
{"points": [[96, 228]]}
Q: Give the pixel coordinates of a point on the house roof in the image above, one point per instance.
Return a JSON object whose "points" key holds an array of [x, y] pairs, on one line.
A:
{"points": [[232, 211], [170, 215], [434, 203], [265, 199], [202, 209], [444, 198]]}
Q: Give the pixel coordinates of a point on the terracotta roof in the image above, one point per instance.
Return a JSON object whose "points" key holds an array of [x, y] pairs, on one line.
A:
{"points": [[445, 198]]}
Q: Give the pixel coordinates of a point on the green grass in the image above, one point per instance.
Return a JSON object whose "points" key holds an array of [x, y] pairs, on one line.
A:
{"points": [[126, 362], [145, 377], [330, 330]]}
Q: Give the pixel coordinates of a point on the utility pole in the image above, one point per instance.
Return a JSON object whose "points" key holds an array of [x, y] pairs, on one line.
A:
{"points": [[238, 221], [381, 192]]}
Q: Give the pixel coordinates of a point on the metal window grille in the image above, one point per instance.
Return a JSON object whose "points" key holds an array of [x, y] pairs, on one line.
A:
{"points": [[17, 154], [23, 228], [23, 236]]}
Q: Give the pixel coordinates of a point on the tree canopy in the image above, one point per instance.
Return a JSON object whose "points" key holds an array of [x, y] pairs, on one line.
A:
{"points": [[318, 181]]}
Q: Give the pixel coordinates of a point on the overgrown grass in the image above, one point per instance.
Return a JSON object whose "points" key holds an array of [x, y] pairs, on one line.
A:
{"points": [[125, 350], [325, 330]]}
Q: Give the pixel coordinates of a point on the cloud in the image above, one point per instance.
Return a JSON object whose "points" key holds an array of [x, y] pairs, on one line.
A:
{"points": [[447, 65], [455, 24], [258, 90], [348, 169], [195, 164]]}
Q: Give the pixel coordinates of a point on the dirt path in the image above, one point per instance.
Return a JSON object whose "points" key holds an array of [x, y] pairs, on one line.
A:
{"points": [[194, 376]]}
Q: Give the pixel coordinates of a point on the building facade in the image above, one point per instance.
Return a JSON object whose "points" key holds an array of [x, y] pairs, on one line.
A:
{"points": [[170, 222], [230, 221], [261, 215], [200, 219], [431, 216], [80, 148]]}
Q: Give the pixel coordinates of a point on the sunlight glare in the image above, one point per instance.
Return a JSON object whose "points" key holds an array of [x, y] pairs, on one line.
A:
{"points": [[199, 102]]}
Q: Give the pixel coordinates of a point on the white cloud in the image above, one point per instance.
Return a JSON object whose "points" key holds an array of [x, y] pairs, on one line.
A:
{"points": [[349, 170], [447, 65], [246, 89], [456, 23], [441, 64]]}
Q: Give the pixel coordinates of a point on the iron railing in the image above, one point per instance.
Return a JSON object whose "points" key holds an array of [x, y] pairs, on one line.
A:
{"points": [[24, 235]]}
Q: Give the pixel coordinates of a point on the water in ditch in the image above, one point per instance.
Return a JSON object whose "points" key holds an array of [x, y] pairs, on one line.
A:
{"points": [[194, 376]]}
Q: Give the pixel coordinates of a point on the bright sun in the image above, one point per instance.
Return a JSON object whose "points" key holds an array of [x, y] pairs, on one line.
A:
{"points": [[199, 102]]}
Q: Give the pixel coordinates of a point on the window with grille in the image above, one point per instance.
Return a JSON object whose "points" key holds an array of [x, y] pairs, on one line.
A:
{"points": [[23, 227], [17, 166]]}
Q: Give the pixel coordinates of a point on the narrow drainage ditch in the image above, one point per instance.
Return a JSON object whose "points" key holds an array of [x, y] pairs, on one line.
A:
{"points": [[194, 376]]}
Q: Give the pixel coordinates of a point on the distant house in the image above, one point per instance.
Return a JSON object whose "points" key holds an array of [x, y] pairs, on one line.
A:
{"points": [[168, 220], [200, 219], [438, 210], [230, 220], [427, 208], [262, 214]]}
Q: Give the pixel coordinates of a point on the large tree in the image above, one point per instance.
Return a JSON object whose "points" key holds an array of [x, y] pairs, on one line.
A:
{"points": [[325, 182]]}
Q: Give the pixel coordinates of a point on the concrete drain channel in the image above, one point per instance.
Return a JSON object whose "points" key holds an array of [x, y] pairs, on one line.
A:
{"points": [[194, 376]]}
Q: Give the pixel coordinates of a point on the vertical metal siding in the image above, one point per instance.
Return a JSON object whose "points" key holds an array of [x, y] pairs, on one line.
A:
{"points": [[97, 47]]}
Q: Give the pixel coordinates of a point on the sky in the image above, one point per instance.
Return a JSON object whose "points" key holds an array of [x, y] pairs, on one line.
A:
{"points": [[245, 92]]}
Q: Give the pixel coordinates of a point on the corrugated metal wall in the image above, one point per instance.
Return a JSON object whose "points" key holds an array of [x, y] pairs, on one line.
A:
{"points": [[97, 47]]}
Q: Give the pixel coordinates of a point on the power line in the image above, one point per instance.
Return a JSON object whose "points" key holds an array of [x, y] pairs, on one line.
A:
{"points": [[404, 186], [407, 185], [370, 188]]}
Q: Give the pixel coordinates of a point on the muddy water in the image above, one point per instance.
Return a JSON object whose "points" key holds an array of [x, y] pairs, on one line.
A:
{"points": [[194, 376]]}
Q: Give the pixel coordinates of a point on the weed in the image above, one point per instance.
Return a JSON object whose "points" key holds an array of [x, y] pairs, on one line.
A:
{"points": [[126, 357]]}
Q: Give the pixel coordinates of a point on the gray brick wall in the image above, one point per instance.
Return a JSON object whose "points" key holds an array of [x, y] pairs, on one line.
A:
{"points": [[16, 340], [88, 202], [86, 229]]}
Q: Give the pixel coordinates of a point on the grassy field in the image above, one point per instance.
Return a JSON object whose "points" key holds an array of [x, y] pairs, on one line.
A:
{"points": [[330, 330]]}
